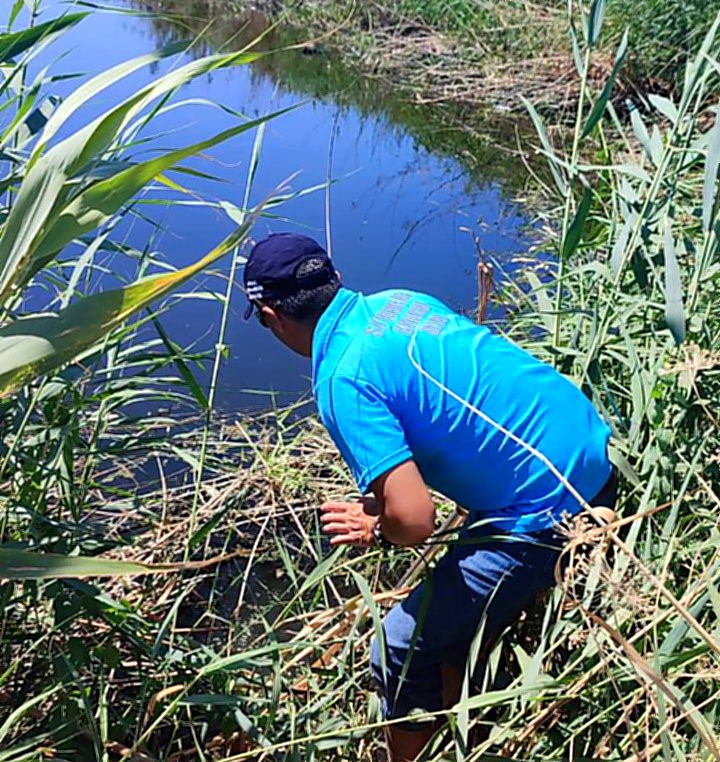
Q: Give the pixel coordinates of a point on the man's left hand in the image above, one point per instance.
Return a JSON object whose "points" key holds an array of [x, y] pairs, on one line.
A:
{"points": [[350, 523]]}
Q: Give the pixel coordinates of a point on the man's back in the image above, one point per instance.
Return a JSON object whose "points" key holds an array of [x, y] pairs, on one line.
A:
{"points": [[396, 375]]}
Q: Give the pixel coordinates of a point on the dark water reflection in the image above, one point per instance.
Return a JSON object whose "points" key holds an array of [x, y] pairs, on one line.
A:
{"points": [[407, 180]]}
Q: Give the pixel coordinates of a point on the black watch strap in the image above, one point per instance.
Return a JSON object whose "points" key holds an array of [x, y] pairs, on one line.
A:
{"points": [[380, 540]]}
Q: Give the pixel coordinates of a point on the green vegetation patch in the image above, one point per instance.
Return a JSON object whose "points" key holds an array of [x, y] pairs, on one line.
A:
{"points": [[488, 51], [664, 35]]}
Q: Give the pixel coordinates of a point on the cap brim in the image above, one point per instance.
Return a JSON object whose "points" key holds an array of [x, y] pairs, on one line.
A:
{"points": [[248, 311]]}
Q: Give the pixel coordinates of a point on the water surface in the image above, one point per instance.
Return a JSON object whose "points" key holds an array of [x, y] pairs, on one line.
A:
{"points": [[399, 202]]}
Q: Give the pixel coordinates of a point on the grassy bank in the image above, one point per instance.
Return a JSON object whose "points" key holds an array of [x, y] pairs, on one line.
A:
{"points": [[233, 633], [482, 53], [460, 56]]}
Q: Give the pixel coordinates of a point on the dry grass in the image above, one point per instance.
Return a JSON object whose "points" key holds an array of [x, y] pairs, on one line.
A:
{"points": [[519, 50]]}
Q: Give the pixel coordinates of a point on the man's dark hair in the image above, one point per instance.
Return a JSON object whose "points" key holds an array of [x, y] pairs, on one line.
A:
{"points": [[307, 304]]}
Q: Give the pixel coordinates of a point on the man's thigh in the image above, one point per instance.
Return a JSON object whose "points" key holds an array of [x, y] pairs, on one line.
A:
{"points": [[478, 588]]}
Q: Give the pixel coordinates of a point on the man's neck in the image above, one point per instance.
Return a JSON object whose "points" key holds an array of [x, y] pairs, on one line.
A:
{"points": [[305, 338], [311, 328]]}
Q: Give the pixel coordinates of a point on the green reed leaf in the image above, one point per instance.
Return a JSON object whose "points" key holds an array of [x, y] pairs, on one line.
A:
{"points": [[101, 82], [617, 256], [26, 564], [674, 311], [545, 140], [710, 180], [665, 106], [600, 104], [595, 21], [574, 233], [44, 192], [14, 43], [176, 352], [33, 346], [99, 202], [641, 132]]}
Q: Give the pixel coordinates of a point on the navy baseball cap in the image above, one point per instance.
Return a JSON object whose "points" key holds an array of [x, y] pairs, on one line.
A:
{"points": [[271, 271]]}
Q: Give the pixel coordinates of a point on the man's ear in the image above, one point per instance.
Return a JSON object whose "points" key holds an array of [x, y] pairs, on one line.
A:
{"points": [[272, 317]]}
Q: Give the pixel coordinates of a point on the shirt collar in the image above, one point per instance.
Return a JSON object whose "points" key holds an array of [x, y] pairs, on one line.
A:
{"points": [[338, 307]]}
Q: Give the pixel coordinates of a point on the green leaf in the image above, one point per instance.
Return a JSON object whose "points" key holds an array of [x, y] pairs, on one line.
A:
{"points": [[641, 132], [600, 104], [176, 352], [251, 659], [379, 631], [14, 43], [542, 134], [98, 203], [697, 66], [169, 621], [26, 564], [87, 139], [500, 697], [710, 182], [40, 195], [656, 145], [665, 106], [617, 256], [577, 55], [575, 231], [25, 751], [102, 81], [545, 309], [595, 21], [208, 526], [15, 12], [32, 346], [23, 112], [43, 194], [12, 720], [674, 311]]}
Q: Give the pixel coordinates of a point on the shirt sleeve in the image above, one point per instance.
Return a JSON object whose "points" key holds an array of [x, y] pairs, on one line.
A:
{"points": [[367, 433]]}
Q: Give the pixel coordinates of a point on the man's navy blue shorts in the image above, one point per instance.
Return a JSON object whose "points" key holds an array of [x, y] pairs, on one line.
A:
{"points": [[486, 579]]}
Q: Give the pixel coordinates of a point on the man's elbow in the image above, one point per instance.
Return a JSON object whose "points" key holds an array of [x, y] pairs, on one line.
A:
{"points": [[408, 528], [408, 511], [415, 534]]}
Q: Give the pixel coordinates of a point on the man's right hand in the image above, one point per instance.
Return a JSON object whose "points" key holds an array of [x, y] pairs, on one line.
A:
{"points": [[350, 523]]}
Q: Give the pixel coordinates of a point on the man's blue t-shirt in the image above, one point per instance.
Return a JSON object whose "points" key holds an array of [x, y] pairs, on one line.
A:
{"points": [[389, 373]]}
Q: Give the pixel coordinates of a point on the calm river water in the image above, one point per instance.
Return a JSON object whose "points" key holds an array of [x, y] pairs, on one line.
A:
{"points": [[398, 204]]}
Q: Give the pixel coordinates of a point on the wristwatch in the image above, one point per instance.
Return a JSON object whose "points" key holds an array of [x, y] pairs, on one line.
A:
{"points": [[380, 540]]}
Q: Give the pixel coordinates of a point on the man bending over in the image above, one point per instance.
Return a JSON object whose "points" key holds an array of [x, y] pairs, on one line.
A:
{"points": [[415, 397]]}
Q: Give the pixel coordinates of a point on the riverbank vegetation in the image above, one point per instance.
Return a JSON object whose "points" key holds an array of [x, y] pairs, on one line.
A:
{"points": [[481, 52], [229, 630]]}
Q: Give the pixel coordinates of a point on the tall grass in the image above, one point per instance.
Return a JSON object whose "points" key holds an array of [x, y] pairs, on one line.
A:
{"points": [[75, 368], [64, 195], [664, 34], [260, 652]]}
